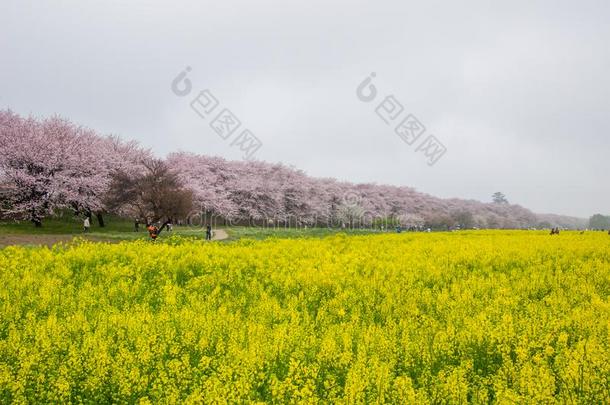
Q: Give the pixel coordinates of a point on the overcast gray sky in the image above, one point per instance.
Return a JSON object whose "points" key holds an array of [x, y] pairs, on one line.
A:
{"points": [[518, 93]]}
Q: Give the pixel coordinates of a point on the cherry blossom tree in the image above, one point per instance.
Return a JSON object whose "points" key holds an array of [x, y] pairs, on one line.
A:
{"points": [[154, 195], [43, 164], [51, 164], [47, 165], [208, 178]]}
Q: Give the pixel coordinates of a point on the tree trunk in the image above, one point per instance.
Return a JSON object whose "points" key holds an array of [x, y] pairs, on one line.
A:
{"points": [[163, 227], [100, 219]]}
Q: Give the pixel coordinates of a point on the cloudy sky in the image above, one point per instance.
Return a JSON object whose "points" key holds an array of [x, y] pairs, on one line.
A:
{"points": [[518, 94]]}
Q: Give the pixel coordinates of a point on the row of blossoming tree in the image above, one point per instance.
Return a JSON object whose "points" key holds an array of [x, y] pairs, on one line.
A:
{"points": [[49, 165]]}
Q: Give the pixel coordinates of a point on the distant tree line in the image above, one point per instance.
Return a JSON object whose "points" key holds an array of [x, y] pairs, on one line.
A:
{"points": [[48, 165], [599, 221]]}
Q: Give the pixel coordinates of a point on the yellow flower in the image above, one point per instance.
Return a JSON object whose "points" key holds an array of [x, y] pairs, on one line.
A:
{"points": [[505, 316]]}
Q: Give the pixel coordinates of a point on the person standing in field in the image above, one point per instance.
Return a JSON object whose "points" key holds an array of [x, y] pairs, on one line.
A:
{"points": [[86, 225], [208, 233], [153, 232], [136, 225]]}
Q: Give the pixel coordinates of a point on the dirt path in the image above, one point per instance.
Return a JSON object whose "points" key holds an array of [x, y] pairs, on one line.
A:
{"points": [[44, 240], [50, 239], [220, 234]]}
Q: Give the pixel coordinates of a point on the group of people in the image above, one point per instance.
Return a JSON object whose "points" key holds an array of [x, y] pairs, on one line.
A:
{"points": [[555, 231], [154, 231]]}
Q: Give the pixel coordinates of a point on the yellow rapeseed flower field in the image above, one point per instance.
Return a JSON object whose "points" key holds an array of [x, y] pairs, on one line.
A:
{"points": [[489, 316]]}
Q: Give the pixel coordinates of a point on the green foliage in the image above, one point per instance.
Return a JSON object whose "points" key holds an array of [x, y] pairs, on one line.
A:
{"points": [[315, 232], [499, 198], [67, 223], [599, 221]]}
